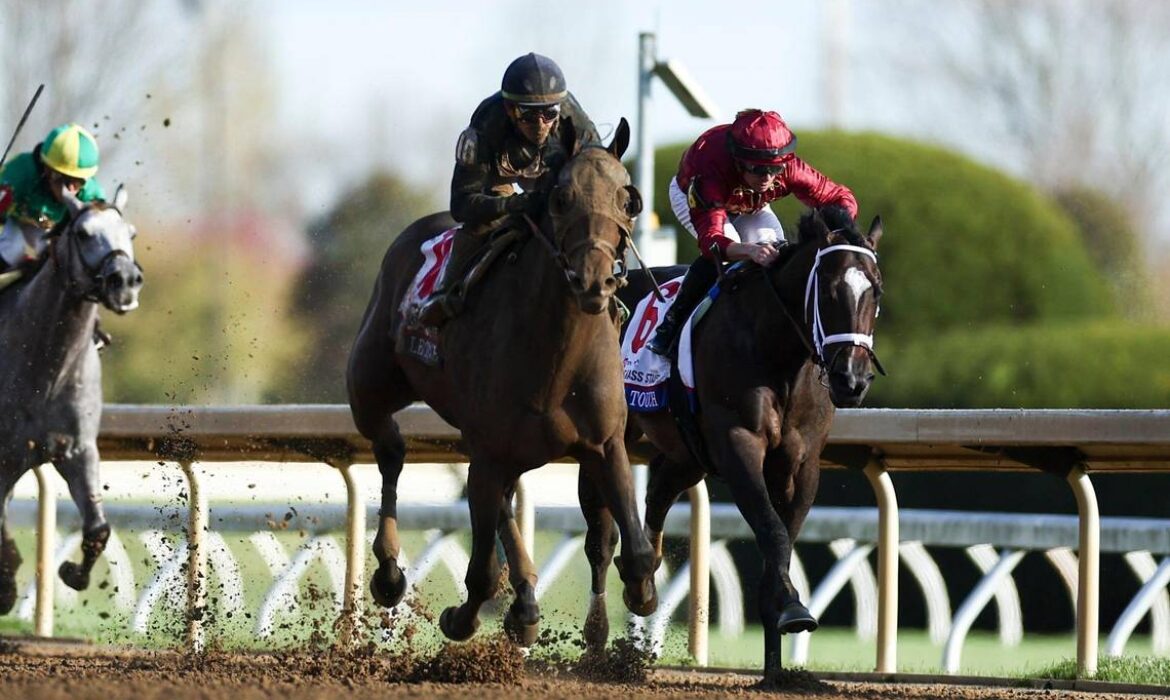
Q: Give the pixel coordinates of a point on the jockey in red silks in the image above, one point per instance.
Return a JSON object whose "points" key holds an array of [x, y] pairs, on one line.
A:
{"points": [[725, 182]]}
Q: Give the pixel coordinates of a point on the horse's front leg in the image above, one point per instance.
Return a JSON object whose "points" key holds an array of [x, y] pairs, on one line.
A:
{"points": [[485, 497], [388, 583], [600, 539], [522, 621], [609, 470], [79, 467], [9, 556], [740, 455]]}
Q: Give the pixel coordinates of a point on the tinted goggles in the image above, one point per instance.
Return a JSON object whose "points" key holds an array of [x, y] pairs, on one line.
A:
{"points": [[760, 169], [543, 113]]}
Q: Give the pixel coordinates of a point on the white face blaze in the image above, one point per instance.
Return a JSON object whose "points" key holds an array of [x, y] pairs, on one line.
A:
{"points": [[857, 282]]}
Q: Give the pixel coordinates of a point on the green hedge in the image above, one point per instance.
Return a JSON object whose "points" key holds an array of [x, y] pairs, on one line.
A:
{"points": [[1099, 364], [964, 245]]}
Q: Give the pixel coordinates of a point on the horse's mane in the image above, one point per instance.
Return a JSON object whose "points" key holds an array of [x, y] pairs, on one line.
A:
{"points": [[836, 218]]}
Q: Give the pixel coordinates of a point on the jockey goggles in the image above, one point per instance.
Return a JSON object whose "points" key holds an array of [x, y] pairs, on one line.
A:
{"points": [[763, 168], [538, 113]]}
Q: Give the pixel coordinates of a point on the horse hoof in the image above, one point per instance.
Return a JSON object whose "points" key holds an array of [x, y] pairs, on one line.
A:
{"points": [[448, 626], [388, 585], [596, 630], [521, 633], [640, 608], [74, 576], [796, 618]]}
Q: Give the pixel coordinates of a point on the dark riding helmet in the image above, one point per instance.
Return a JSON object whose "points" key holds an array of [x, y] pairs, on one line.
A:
{"points": [[761, 138], [534, 80]]}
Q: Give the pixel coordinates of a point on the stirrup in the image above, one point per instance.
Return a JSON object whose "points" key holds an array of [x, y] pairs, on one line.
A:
{"points": [[662, 341], [440, 308]]}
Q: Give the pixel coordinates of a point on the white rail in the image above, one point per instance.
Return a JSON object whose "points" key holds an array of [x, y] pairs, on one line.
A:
{"points": [[1071, 444]]}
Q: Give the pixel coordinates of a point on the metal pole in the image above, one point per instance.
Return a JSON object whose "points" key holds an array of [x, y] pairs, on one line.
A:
{"points": [[355, 556], [46, 545], [887, 499], [1089, 558], [525, 511], [644, 173], [700, 612], [197, 520]]}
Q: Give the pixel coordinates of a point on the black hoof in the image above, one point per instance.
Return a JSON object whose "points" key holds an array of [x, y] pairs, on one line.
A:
{"points": [[447, 626], [521, 633], [796, 618], [74, 576], [596, 629], [388, 585], [640, 608]]}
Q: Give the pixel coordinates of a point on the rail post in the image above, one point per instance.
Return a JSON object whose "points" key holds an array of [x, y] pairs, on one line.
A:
{"points": [[46, 546], [1089, 570], [197, 520], [355, 557], [700, 608], [887, 500]]}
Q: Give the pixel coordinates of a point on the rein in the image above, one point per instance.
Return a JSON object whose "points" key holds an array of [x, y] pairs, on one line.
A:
{"points": [[92, 292]]}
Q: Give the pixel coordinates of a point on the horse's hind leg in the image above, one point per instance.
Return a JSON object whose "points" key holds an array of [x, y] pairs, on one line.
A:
{"points": [[609, 471], [80, 469], [668, 479], [485, 496], [522, 621], [601, 537], [9, 556]]}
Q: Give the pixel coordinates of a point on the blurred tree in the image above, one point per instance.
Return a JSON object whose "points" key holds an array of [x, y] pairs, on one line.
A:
{"points": [[214, 323], [1111, 236], [1074, 91], [330, 296]]}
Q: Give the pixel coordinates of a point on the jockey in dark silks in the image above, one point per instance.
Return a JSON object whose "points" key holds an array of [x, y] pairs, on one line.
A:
{"points": [[30, 191], [515, 138], [721, 194]]}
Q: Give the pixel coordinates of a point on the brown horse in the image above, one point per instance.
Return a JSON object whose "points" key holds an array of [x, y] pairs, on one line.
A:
{"points": [[777, 351], [530, 373]]}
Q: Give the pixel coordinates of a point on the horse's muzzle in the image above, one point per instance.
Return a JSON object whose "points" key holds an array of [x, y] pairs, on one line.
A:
{"points": [[850, 376], [121, 280]]}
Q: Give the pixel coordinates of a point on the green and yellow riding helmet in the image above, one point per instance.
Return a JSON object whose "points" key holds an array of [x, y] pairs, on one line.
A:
{"points": [[71, 150]]}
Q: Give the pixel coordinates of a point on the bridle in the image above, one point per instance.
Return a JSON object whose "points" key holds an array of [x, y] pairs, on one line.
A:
{"points": [[812, 331], [97, 282]]}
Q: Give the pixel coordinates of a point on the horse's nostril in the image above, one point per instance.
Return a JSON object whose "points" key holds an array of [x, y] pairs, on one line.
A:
{"points": [[611, 283], [138, 280]]}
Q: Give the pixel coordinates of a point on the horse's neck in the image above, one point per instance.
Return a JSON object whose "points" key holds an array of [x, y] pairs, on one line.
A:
{"points": [[555, 338], [47, 330]]}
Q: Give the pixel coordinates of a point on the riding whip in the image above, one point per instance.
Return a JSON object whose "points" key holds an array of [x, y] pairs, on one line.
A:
{"points": [[20, 124]]}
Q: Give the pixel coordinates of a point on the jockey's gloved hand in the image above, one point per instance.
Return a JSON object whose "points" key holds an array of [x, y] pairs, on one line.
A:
{"points": [[523, 203]]}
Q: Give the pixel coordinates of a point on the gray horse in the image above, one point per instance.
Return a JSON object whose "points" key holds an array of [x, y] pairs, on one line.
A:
{"points": [[50, 373]]}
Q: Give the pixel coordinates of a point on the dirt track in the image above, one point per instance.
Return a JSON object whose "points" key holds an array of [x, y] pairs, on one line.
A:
{"points": [[102, 674]]}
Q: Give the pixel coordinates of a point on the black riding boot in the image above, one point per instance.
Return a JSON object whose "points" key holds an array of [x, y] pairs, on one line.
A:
{"points": [[446, 300], [700, 277]]}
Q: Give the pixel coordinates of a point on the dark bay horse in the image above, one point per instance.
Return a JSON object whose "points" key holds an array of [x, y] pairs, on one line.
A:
{"points": [[51, 401], [531, 373], [777, 351]]}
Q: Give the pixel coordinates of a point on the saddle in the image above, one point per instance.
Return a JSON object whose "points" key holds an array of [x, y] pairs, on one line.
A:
{"points": [[420, 340]]}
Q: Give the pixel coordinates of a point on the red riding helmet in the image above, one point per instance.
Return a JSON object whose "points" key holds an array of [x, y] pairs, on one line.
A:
{"points": [[761, 138]]}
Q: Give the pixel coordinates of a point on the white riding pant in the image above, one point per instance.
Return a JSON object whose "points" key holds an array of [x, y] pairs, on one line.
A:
{"points": [[757, 227]]}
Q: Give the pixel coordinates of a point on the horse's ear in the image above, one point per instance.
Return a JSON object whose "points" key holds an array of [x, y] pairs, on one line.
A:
{"points": [[120, 197], [72, 203], [621, 139], [875, 232]]}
